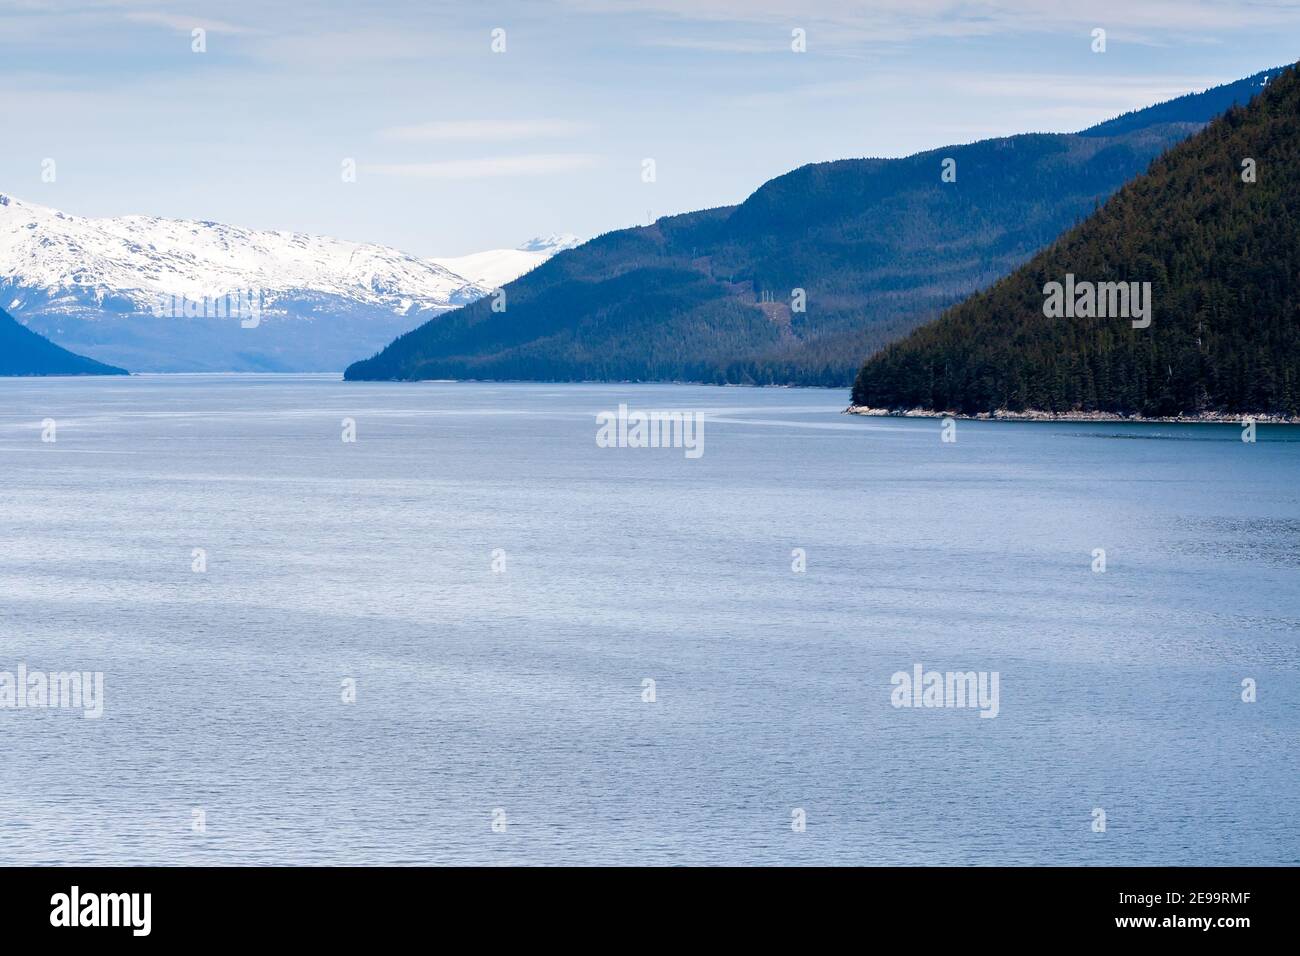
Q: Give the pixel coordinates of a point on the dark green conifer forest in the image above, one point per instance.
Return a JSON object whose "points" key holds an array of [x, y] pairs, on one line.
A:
{"points": [[877, 247], [1222, 255]]}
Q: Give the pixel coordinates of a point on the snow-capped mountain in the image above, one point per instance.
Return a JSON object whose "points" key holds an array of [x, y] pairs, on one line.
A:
{"points": [[555, 242], [150, 294], [496, 267]]}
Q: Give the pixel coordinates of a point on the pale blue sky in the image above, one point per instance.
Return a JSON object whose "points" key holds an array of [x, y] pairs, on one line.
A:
{"points": [[460, 149]]}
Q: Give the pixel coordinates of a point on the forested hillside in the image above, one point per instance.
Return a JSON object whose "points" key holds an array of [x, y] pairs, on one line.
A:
{"points": [[1222, 255], [877, 246], [23, 352]]}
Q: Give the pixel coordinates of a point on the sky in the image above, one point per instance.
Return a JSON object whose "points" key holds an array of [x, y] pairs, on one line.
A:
{"points": [[459, 147]]}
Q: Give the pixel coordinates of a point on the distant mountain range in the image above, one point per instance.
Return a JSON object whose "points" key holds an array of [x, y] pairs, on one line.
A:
{"points": [[23, 352], [1213, 229], [496, 267], [95, 285], [871, 248]]}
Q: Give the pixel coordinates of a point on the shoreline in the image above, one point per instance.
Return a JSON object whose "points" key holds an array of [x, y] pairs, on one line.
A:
{"points": [[1035, 415]]}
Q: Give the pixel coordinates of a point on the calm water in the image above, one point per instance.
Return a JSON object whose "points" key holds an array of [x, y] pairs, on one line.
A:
{"points": [[522, 690]]}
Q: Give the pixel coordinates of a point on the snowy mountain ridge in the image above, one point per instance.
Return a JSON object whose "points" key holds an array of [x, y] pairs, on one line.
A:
{"points": [[496, 267], [94, 286]]}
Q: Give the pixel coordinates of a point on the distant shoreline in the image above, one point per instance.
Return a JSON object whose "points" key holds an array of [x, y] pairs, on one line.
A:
{"points": [[1035, 415]]}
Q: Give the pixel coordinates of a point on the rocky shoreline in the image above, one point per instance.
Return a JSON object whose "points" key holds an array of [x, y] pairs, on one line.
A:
{"points": [[1034, 415]]}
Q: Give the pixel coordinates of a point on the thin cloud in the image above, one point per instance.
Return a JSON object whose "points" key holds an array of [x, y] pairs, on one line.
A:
{"points": [[1128, 92], [850, 22], [535, 164], [1118, 93], [360, 45], [184, 24], [484, 130], [717, 46]]}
